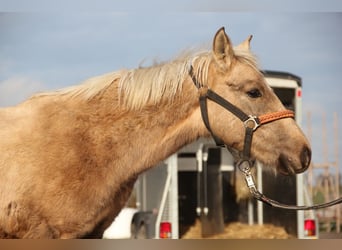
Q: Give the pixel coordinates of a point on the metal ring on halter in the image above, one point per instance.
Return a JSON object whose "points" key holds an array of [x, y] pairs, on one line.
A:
{"points": [[255, 121], [245, 166]]}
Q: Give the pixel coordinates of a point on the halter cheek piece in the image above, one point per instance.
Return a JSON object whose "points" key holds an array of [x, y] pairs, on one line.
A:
{"points": [[251, 123]]}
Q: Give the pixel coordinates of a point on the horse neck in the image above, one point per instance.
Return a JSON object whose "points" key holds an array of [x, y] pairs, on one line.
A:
{"points": [[150, 135], [181, 125]]}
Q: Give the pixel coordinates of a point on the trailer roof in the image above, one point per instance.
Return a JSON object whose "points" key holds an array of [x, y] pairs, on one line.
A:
{"points": [[282, 75]]}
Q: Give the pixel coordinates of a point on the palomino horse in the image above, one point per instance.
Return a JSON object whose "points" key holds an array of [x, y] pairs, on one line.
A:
{"points": [[69, 159]]}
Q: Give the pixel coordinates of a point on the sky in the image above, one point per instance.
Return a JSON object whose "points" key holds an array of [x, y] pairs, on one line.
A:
{"points": [[46, 50]]}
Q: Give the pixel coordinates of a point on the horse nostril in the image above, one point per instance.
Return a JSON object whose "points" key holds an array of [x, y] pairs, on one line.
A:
{"points": [[305, 158]]}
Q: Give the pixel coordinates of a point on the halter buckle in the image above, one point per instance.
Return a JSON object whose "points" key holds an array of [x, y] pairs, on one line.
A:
{"points": [[252, 122]]}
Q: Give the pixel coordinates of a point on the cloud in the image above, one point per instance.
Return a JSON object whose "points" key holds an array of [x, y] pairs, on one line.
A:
{"points": [[17, 89], [5, 66]]}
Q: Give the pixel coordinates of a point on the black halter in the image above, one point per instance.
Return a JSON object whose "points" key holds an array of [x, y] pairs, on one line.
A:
{"points": [[251, 123]]}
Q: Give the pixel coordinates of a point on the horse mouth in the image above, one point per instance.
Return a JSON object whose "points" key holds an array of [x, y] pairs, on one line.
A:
{"points": [[285, 172], [286, 166]]}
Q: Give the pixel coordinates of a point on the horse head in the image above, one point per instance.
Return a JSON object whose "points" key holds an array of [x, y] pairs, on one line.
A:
{"points": [[233, 74]]}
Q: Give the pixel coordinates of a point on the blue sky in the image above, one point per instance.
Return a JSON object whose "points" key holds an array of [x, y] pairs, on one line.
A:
{"points": [[175, 5], [49, 50]]}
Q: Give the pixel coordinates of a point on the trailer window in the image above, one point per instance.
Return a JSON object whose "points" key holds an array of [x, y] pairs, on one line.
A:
{"points": [[287, 97]]}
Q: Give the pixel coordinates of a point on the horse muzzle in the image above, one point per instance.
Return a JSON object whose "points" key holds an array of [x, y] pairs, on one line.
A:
{"points": [[289, 166]]}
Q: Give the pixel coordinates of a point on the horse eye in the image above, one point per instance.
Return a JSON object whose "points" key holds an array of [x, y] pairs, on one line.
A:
{"points": [[254, 93]]}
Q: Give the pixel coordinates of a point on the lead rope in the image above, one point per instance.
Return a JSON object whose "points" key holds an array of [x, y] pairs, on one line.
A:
{"points": [[246, 170]]}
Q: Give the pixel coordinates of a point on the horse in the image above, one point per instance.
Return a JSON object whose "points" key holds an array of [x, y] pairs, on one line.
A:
{"points": [[69, 158]]}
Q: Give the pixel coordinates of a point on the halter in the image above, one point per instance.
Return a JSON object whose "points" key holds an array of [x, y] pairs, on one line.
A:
{"points": [[251, 123]]}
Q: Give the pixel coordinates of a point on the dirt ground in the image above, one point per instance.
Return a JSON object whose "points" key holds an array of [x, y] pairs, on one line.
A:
{"points": [[239, 230]]}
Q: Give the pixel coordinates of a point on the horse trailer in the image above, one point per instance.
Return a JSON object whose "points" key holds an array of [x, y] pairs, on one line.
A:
{"points": [[199, 183]]}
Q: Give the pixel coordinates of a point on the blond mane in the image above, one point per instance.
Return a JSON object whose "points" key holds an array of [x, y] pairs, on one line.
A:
{"points": [[150, 84]]}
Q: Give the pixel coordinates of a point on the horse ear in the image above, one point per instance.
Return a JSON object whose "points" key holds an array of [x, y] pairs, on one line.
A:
{"points": [[223, 49], [245, 45]]}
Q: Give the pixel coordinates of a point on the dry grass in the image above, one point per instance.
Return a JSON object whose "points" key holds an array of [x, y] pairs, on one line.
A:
{"points": [[239, 230]]}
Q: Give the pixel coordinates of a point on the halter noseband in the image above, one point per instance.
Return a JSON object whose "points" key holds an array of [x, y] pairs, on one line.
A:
{"points": [[251, 123]]}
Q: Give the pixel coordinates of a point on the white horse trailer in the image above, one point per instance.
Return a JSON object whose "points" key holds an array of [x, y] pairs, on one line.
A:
{"points": [[193, 184]]}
